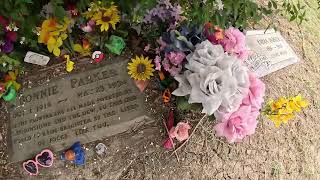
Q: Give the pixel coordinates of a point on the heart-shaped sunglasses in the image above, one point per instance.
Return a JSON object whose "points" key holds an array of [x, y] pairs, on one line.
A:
{"points": [[44, 159]]}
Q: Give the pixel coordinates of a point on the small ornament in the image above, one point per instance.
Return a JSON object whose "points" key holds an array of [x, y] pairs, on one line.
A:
{"points": [[10, 93], [75, 154], [141, 84], [116, 44], [98, 56], [101, 148], [43, 159]]}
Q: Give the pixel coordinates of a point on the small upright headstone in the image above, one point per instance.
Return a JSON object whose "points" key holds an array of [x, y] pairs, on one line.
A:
{"points": [[82, 107], [270, 52]]}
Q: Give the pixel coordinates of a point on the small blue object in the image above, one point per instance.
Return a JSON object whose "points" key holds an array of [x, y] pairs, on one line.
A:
{"points": [[79, 158]]}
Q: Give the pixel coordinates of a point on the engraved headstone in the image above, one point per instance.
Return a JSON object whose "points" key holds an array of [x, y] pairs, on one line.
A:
{"points": [[86, 106], [270, 52]]}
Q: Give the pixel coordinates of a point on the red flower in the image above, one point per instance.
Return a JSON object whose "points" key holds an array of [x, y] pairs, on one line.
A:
{"points": [[11, 36], [214, 37]]}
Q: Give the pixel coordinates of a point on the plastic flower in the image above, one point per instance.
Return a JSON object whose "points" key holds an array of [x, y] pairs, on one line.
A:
{"points": [[107, 17], [157, 62], [11, 78], [180, 132], [52, 34], [88, 27], [7, 47], [83, 49], [69, 63], [283, 109], [234, 43], [140, 68], [165, 12], [172, 62], [256, 92], [214, 79], [237, 125], [216, 36], [240, 124]]}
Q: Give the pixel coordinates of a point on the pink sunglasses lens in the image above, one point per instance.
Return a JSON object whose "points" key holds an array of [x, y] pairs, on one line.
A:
{"points": [[31, 167], [45, 159]]}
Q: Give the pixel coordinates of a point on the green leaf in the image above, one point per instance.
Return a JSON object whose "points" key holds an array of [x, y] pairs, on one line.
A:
{"points": [[182, 103], [274, 4], [212, 118]]}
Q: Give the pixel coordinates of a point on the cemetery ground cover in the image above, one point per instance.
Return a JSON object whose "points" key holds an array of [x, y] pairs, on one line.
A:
{"points": [[289, 152]]}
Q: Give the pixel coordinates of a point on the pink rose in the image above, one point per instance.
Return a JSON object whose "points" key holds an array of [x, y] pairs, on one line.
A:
{"points": [[180, 132], [256, 92], [238, 125], [243, 122], [234, 43]]}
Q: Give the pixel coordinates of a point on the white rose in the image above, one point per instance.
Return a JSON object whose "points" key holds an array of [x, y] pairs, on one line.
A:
{"points": [[216, 80]]}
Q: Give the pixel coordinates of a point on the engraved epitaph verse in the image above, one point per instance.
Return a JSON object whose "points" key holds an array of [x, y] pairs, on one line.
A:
{"points": [[86, 106], [270, 52]]}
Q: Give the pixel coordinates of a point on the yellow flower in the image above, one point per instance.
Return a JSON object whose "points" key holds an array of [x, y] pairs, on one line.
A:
{"points": [[69, 63], [83, 50], [53, 45], [47, 30], [107, 17], [282, 110], [140, 68], [279, 103], [13, 77], [52, 34], [302, 103]]}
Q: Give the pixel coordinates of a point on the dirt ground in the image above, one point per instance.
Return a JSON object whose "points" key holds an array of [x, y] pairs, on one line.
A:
{"points": [[288, 152]]}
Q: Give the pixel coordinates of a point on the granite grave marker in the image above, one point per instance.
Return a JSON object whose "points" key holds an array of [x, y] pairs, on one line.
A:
{"points": [[270, 52], [86, 106]]}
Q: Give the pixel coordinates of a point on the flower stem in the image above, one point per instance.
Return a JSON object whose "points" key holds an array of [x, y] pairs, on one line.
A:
{"points": [[71, 43]]}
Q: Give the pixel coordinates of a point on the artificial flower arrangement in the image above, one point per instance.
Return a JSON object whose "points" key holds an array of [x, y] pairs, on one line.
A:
{"points": [[62, 30], [203, 60], [207, 64], [82, 34]]}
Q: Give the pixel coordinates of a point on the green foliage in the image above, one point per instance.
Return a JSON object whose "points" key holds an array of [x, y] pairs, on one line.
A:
{"points": [[16, 9], [82, 5], [7, 63], [135, 10], [295, 11], [58, 10], [238, 13], [182, 103]]}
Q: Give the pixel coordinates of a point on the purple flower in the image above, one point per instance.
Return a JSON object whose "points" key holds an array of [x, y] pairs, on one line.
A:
{"points": [[7, 47], [175, 58], [170, 67], [164, 12]]}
